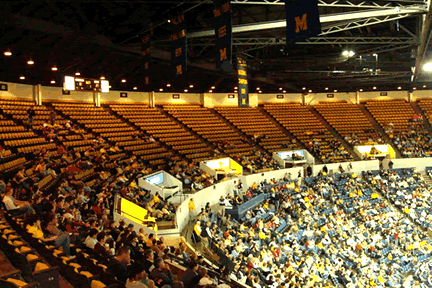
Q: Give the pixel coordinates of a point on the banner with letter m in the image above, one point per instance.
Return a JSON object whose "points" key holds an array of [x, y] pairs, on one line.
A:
{"points": [[302, 18]]}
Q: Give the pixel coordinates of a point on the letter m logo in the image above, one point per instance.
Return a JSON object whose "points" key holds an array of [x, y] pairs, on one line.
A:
{"points": [[301, 23]]}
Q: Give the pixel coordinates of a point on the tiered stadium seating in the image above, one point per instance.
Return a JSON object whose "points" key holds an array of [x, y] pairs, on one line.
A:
{"points": [[252, 122], [397, 112], [426, 107], [210, 126], [347, 119], [408, 134], [164, 129], [307, 128], [15, 135]]}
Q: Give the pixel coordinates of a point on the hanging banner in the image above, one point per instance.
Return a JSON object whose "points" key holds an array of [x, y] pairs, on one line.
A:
{"points": [[243, 87], [178, 47], [302, 20], [223, 30], [146, 58]]}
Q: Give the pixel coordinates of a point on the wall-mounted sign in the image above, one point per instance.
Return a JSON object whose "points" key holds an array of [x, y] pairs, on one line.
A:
{"points": [[176, 96], [3, 87], [65, 92], [280, 96], [123, 95], [330, 95], [231, 96], [383, 93]]}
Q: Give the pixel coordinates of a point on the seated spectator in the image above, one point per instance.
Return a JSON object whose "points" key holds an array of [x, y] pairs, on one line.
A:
{"points": [[34, 227], [189, 275], [119, 264], [16, 206], [91, 240], [137, 275], [161, 274]]}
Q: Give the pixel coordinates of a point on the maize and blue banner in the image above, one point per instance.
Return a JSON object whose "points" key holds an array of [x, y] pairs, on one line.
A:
{"points": [[146, 58], [243, 86], [178, 47], [223, 30], [302, 20]]}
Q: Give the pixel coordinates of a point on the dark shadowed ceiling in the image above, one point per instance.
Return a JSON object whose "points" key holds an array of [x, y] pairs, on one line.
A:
{"points": [[99, 38]]}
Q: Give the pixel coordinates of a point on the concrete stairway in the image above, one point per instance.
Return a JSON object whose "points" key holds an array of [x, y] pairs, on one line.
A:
{"points": [[281, 127], [418, 111], [378, 128], [334, 132]]}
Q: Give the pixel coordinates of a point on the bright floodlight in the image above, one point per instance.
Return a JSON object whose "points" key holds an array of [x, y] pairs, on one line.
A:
{"points": [[351, 53], [345, 53], [427, 66]]}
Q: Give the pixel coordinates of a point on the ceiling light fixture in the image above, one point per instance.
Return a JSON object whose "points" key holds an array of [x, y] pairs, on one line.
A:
{"points": [[8, 53], [30, 62], [102, 77], [191, 86], [414, 88], [186, 90], [213, 87], [284, 91], [335, 90], [77, 74], [211, 91], [424, 86], [326, 88], [259, 91], [280, 88], [54, 68], [123, 80], [22, 77], [110, 86], [374, 87], [135, 88], [310, 91], [399, 87], [304, 88], [427, 66], [258, 88], [168, 85], [52, 81], [361, 90], [160, 89]]}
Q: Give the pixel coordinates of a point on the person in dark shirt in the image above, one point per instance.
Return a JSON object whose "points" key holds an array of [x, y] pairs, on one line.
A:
{"points": [[100, 246], [190, 274], [119, 264], [161, 274], [31, 114]]}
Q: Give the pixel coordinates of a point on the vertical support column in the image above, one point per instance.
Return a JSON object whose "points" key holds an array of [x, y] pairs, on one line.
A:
{"points": [[357, 99], [410, 96], [152, 99], [304, 99], [96, 99], [37, 97]]}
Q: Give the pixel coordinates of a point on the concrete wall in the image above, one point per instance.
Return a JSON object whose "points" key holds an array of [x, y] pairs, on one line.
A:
{"points": [[315, 98], [220, 99], [55, 93], [17, 90], [185, 98], [272, 98], [133, 97], [358, 167], [364, 96]]}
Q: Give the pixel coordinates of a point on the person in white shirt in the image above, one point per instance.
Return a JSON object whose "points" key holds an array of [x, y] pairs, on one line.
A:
{"points": [[91, 239], [23, 207]]}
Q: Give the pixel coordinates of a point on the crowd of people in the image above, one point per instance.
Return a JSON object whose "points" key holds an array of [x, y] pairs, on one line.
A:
{"points": [[332, 231]]}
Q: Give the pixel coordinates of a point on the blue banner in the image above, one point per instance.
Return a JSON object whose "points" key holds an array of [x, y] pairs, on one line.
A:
{"points": [[243, 86], [146, 58], [223, 30], [178, 47], [302, 20]]}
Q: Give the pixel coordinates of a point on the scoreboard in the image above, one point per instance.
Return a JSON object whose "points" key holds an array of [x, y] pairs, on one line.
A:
{"points": [[85, 84]]}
